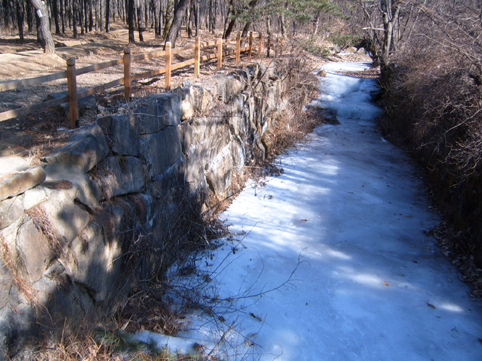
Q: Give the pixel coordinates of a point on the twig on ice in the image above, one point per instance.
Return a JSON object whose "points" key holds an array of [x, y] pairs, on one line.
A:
{"points": [[223, 337]]}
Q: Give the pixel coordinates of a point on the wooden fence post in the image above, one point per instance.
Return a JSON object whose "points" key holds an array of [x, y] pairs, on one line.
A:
{"points": [[127, 73], [250, 45], [238, 48], [220, 54], [197, 56], [168, 65], [72, 88], [260, 46]]}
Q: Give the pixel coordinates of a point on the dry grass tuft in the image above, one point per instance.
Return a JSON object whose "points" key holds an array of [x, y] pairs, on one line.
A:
{"points": [[291, 127]]}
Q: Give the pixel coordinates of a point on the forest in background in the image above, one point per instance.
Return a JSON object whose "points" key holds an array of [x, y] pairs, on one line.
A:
{"points": [[165, 17]]}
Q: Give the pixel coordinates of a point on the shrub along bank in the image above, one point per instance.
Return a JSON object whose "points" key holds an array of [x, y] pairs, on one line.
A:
{"points": [[433, 103]]}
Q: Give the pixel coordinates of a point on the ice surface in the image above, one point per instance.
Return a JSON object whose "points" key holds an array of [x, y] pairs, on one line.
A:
{"points": [[348, 218]]}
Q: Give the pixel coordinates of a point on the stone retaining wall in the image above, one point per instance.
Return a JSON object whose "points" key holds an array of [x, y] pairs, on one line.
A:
{"points": [[98, 215]]}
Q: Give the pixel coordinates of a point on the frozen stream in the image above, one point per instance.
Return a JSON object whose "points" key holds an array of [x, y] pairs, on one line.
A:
{"points": [[350, 214]]}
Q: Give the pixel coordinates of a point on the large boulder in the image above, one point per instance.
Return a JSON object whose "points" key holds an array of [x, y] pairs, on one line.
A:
{"points": [[161, 151], [122, 134], [160, 112], [18, 183], [87, 148], [120, 175]]}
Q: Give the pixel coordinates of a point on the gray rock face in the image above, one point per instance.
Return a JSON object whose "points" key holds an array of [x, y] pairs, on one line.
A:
{"points": [[34, 250], [228, 86], [75, 185], [10, 210], [87, 148], [195, 100], [18, 183], [12, 164], [121, 134], [227, 162], [119, 176], [163, 110], [161, 151], [93, 264]]}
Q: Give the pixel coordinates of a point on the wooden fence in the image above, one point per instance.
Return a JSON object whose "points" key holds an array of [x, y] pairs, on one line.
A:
{"points": [[221, 52]]}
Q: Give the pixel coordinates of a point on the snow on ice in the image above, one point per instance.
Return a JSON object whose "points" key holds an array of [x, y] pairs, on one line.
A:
{"points": [[330, 260]]}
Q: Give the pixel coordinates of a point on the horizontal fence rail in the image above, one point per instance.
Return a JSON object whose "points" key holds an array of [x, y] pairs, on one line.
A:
{"points": [[218, 49]]}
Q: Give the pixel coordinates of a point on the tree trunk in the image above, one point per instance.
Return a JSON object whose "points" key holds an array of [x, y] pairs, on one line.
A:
{"points": [[20, 18], [130, 21], [107, 15], [91, 17], [1, 19], [100, 18], [80, 16], [176, 22], [246, 26], [167, 19], [317, 24], [139, 23], [157, 15], [29, 19], [146, 15], [86, 16], [282, 22], [229, 29], [390, 14], [62, 15], [45, 36], [197, 15], [55, 11], [189, 21], [75, 19], [212, 17]]}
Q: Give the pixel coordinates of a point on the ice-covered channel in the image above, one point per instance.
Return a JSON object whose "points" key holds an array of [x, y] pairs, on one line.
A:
{"points": [[349, 217]]}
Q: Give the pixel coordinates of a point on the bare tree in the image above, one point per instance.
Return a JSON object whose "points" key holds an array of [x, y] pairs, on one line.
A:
{"points": [[20, 10], [45, 36], [244, 11], [130, 20], [107, 16], [383, 37], [179, 13]]}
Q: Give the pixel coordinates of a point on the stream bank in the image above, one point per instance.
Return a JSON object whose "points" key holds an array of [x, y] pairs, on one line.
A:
{"points": [[129, 195], [333, 259]]}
